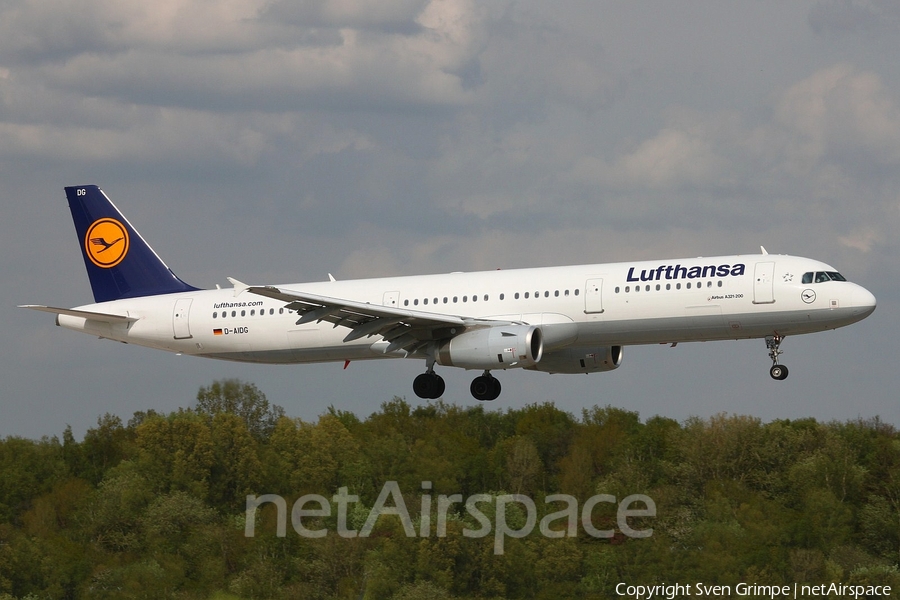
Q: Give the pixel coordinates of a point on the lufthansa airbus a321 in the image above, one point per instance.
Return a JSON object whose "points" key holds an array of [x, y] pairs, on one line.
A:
{"points": [[573, 319]]}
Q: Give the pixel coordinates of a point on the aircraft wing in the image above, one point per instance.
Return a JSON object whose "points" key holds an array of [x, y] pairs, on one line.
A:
{"points": [[407, 330], [85, 314]]}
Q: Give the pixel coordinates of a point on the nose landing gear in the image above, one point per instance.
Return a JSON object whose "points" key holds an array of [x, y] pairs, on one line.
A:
{"points": [[773, 343]]}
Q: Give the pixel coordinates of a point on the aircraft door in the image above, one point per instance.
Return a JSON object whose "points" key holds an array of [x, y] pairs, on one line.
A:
{"points": [[763, 283], [180, 319], [593, 296]]}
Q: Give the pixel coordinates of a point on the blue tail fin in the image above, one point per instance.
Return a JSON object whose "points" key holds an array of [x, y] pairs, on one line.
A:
{"points": [[120, 264]]}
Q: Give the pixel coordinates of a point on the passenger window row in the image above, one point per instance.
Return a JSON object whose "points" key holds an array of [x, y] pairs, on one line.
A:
{"points": [[697, 285], [262, 312], [486, 297]]}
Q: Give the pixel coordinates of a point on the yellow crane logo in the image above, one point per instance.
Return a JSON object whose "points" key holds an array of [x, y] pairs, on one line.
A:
{"points": [[106, 242]]}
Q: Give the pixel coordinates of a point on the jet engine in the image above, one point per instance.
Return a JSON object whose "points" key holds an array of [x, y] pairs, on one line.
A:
{"points": [[580, 360], [498, 347]]}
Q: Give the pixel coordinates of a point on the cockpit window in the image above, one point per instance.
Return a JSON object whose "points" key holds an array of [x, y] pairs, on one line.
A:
{"points": [[822, 276]]}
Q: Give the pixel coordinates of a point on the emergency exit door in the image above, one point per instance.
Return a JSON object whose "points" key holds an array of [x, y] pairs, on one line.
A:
{"points": [[593, 296]]}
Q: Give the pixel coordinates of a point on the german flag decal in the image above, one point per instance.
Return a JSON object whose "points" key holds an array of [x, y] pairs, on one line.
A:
{"points": [[217, 332]]}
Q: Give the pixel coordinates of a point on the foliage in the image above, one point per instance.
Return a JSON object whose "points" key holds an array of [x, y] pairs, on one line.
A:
{"points": [[243, 400], [156, 507]]}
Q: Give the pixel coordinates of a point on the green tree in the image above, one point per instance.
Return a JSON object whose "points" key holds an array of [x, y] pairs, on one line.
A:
{"points": [[605, 438], [245, 400], [27, 470], [309, 458], [155, 508], [550, 429], [422, 590], [104, 446], [176, 453], [523, 465], [235, 470], [114, 513]]}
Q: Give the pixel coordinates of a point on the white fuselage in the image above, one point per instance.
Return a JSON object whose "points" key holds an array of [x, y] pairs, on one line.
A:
{"points": [[620, 304]]}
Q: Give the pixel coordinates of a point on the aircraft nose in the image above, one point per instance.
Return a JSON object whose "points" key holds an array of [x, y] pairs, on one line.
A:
{"points": [[864, 299]]}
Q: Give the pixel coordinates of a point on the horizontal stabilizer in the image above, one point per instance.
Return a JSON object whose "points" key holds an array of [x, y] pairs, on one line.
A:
{"points": [[86, 314]]}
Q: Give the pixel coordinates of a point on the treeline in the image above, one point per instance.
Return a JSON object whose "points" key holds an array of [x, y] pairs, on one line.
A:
{"points": [[155, 507]]}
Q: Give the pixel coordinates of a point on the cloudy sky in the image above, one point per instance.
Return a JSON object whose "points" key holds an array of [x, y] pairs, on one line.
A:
{"points": [[277, 140]]}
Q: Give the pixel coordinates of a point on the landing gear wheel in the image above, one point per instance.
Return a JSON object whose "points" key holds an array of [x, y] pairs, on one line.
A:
{"points": [[773, 343], [485, 387], [429, 385], [778, 372]]}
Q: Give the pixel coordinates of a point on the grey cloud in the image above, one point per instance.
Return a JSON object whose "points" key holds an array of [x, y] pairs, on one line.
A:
{"points": [[855, 17], [411, 137], [274, 81], [233, 60], [389, 16], [825, 138], [239, 67], [843, 114]]}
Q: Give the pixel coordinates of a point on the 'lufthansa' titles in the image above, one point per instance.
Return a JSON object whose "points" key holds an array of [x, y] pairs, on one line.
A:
{"points": [[679, 272]]}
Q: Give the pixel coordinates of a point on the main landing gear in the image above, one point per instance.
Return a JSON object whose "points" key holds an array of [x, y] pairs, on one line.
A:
{"points": [[773, 343], [430, 385], [485, 387]]}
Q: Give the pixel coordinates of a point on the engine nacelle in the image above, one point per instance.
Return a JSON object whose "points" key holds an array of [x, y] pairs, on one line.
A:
{"points": [[581, 360], [498, 347]]}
